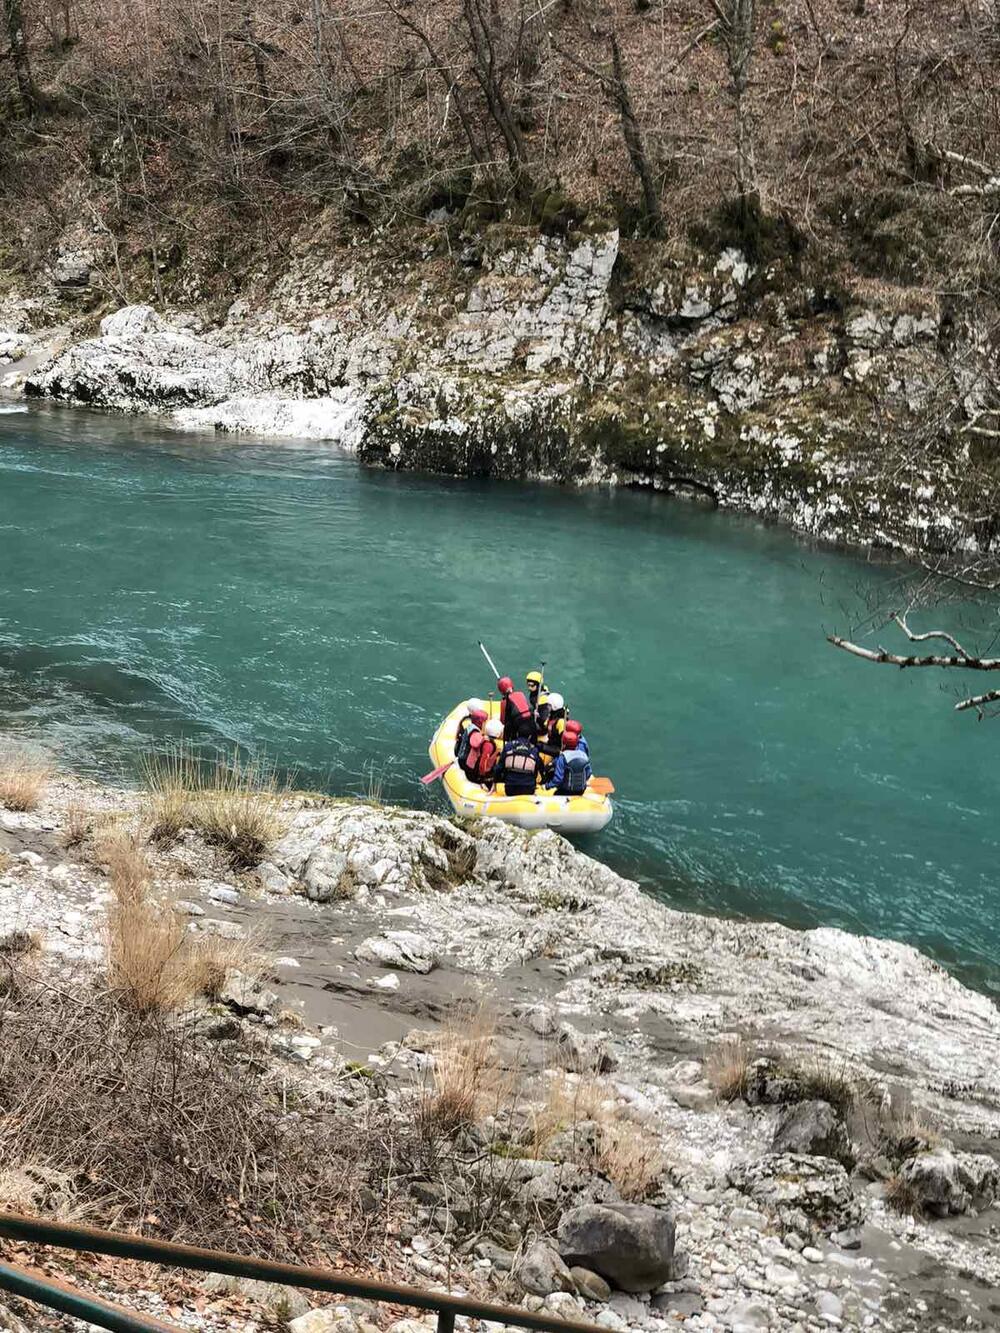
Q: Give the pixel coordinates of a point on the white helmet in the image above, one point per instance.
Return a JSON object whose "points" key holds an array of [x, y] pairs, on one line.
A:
{"points": [[494, 727], [475, 706], [556, 701]]}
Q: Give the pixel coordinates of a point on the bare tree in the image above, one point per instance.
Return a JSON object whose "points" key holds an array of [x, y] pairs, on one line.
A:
{"points": [[615, 84], [18, 54], [491, 64], [738, 25]]}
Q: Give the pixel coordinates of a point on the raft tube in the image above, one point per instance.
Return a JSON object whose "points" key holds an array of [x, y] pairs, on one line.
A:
{"points": [[588, 813]]}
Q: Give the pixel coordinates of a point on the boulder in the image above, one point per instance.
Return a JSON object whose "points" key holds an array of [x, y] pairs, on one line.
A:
{"points": [[542, 1272], [948, 1183], [631, 1245], [325, 876], [802, 1193], [403, 949], [130, 321], [815, 1129], [583, 1053], [245, 995]]}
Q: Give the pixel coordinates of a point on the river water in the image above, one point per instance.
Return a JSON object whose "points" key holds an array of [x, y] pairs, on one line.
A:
{"points": [[156, 585]]}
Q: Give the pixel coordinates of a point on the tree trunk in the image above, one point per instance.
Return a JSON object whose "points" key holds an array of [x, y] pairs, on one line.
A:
{"points": [[486, 67], [739, 33], [14, 16], [635, 142]]}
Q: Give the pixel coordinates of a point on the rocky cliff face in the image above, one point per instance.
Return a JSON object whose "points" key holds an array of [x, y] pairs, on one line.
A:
{"points": [[583, 359]]}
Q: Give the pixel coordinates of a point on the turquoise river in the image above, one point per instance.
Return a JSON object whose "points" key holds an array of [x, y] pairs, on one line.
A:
{"points": [[278, 597]]}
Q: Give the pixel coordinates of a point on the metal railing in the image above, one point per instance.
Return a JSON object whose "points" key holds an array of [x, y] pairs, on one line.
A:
{"points": [[71, 1300]]}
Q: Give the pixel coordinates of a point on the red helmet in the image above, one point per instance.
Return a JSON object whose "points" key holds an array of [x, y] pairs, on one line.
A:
{"points": [[570, 739], [572, 725], [505, 684], [479, 716]]}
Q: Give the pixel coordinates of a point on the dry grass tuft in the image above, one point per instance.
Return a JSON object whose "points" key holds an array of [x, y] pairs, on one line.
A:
{"points": [[154, 962], [23, 779], [628, 1155], [631, 1158], [79, 826], [468, 1078], [902, 1198], [727, 1068], [236, 805], [19, 943], [822, 1079]]}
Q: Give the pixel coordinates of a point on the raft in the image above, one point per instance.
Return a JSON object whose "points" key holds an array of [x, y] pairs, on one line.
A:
{"points": [[588, 813]]}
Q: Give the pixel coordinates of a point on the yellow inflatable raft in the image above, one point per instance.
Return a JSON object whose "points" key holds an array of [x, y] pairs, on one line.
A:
{"points": [[567, 814]]}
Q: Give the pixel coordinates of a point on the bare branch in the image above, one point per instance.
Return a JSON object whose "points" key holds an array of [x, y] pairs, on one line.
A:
{"points": [[902, 661]]}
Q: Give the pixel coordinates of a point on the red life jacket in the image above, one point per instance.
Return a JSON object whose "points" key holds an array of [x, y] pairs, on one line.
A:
{"points": [[516, 716], [481, 756]]}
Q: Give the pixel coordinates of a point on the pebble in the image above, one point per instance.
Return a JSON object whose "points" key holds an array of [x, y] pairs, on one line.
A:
{"points": [[812, 1255]]}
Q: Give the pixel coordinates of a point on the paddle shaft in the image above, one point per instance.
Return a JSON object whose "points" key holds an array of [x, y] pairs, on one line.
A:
{"points": [[493, 665]]}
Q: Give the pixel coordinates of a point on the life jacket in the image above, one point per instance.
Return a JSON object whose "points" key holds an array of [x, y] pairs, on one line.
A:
{"points": [[465, 729], [556, 727], [518, 767], [517, 718], [577, 773], [479, 757]]}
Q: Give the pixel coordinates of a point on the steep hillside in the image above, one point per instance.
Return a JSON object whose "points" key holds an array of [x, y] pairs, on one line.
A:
{"points": [[745, 244]]}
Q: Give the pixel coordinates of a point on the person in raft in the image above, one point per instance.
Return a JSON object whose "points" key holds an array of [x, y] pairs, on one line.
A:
{"points": [[485, 743], [518, 767], [571, 772], [515, 712]]}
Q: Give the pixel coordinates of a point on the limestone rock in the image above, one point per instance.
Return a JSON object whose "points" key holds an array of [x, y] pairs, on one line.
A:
{"points": [[542, 1272], [403, 949], [245, 995], [802, 1192], [630, 1245], [131, 320], [583, 1053], [815, 1129], [948, 1182]]}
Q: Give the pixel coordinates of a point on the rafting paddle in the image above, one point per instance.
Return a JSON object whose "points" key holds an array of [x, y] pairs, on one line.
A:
{"points": [[603, 786], [436, 773], [493, 665]]}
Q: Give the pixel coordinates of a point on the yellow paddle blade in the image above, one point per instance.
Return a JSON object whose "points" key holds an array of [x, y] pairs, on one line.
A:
{"points": [[603, 786]]}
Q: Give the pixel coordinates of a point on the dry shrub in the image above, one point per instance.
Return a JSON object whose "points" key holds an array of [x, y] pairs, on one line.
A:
{"points": [[468, 1079], [628, 1155], [902, 1197], [154, 962], [631, 1158], [23, 779], [19, 943], [162, 1131], [727, 1067], [820, 1078], [79, 823], [235, 805]]}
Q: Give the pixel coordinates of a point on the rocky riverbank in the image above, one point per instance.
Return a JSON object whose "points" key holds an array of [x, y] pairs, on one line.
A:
{"points": [[600, 1106], [584, 359]]}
